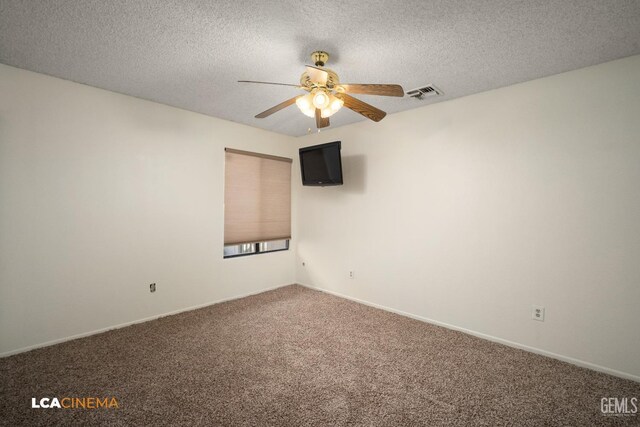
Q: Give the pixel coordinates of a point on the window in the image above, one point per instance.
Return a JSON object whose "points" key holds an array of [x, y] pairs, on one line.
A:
{"points": [[255, 248], [257, 203]]}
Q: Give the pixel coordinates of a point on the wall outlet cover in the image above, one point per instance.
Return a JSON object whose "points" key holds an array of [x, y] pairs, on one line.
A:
{"points": [[537, 313]]}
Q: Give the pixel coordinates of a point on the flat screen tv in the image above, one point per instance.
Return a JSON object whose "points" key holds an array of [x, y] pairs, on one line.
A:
{"points": [[321, 165]]}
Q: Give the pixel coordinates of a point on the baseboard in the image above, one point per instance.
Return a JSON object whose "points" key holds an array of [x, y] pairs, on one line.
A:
{"points": [[513, 344], [134, 322]]}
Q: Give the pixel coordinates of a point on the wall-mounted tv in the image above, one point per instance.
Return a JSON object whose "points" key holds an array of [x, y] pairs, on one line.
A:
{"points": [[321, 165]]}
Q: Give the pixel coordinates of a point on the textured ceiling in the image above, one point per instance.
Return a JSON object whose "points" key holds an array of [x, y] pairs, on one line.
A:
{"points": [[190, 54]]}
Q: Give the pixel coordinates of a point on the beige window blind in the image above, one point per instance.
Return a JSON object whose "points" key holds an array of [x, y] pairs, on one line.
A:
{"points": [[257, 197]]}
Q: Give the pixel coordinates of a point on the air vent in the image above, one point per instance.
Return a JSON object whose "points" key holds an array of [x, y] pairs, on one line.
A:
{"points": [[424, 92]]}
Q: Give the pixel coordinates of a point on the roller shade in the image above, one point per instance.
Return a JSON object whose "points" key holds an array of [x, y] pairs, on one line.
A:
{"points": [[257, 197]]}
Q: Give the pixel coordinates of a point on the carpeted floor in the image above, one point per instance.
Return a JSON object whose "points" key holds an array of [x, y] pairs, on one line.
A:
{"points": [[294, 356]]}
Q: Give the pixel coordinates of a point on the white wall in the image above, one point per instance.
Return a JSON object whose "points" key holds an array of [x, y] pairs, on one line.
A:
{"points": [[467, 212], [102, 194]]}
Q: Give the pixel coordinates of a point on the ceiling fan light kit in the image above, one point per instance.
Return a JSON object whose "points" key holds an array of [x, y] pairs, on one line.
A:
{"points": [[320, 98], [334, 105], [305, 104], [326, 95]]}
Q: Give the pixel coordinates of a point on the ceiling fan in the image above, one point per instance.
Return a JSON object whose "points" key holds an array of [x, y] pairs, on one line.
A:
{"points": [[326, 95]]}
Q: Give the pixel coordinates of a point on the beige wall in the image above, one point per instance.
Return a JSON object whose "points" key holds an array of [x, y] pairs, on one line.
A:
{"points": [[463, 213], [102, 194], [467, 212]]}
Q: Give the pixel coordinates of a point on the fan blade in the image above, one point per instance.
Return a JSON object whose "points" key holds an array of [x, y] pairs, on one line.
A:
{"points": [[321, 122], [361, 107], [317, 75], [383, 90], [277, 108], [268, 83]]}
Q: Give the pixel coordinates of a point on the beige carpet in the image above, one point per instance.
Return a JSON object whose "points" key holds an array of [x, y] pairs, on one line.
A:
{"points": [[294, 356]]}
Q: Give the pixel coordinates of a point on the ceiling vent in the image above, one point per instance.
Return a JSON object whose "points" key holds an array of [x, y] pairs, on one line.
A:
{"points": [[424, 92]]}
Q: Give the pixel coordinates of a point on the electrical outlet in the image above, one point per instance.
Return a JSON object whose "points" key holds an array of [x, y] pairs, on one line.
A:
{"points": [[351, 274], [152, 287], [537, 313]]}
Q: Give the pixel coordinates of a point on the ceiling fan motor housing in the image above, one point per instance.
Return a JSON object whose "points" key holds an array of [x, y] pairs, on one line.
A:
{"points": [[332, 80]]}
